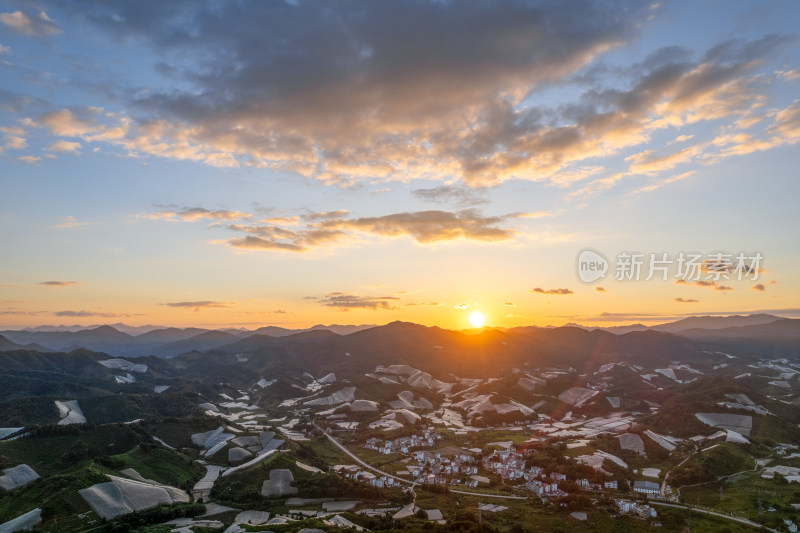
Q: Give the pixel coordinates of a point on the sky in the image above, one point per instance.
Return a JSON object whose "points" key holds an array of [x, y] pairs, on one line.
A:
{"points": [[291, 163]]}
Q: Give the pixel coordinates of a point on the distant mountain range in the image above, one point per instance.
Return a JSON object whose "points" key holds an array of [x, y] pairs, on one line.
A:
{"points": [[170, 342], [137, 331]]}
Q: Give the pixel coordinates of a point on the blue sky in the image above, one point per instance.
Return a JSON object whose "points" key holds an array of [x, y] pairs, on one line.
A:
{"points": [[291, 163]]}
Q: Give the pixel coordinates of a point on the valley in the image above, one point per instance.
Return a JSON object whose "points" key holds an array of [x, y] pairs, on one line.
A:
{"points": [[403, 427]]}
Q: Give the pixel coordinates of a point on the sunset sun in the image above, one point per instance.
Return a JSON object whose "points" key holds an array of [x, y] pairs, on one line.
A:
{"points": [[477, 319]]}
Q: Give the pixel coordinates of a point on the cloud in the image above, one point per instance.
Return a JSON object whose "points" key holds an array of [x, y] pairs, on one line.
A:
{"points": [[39, 24], [600, 289], [425, 304], [453, 194], [89, 313], [5, 50], [277, 238], [619, 317], [70, 222], [461, 306], [650, 162], [428, 226], [656, 317], [71, 123], [19, 313], [761, 287], [664, 181], [552, 291], [434, 91], [705, 283], [509, 304], [64, 146], [325, 215], [205, 304], [538, 214], [192, 214], [390, 91], [789, 75], [14, 139], [318, 229], [59, 283], [686, 300], [30, 159], [346, 301]]}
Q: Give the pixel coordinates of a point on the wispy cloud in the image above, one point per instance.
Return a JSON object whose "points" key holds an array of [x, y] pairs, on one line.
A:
{"points": [[64, 146], [13, 139], [84, 313], [17, 312], [761, 287], [59, 283], [540, 290], [36, 24], [428, 226], [705, 283], [452, 194], [193, 214], [306, 232], [686, 300], [70, 222], [204, 304], [347, 300]]}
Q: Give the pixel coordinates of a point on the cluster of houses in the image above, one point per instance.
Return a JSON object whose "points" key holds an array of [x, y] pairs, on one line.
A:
{"points": [[447, 467], [639, 509], [510, 465], [403, 444], [545, 490], [357, 474], [456, 466]]}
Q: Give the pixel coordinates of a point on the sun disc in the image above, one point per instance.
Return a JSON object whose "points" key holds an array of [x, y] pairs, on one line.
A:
{"points": [[477, 319]]}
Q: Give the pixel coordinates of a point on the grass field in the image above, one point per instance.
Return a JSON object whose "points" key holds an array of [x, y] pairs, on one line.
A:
{"points": [[162, 465], [177, 432], [49, 452], [747, 495]]}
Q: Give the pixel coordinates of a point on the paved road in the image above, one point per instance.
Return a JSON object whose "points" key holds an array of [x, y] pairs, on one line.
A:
{"points": [[407, 482], [713, 513], [484, 495], [362, 463]]}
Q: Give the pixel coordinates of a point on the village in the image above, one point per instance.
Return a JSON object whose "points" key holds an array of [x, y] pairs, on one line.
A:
{"points": [[472, 468]]}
